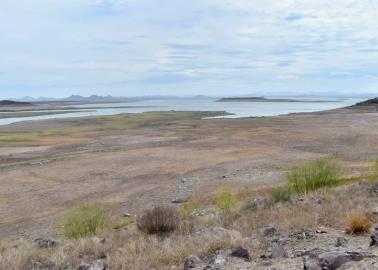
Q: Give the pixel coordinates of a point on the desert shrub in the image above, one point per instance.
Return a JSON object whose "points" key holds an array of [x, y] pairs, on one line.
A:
{"points": [[358, 223], [227, 202], [84, 220], [160, 220], [281, 194], [313, 175], [188, 209]]}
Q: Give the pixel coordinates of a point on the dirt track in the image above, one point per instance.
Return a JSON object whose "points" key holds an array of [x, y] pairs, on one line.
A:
{"points": [[136, 167]]}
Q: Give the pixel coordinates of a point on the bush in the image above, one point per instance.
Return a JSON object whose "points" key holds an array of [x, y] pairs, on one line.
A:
{"points": [[160, 220], [358, 223], [188, 209], [227, 202], [281, 194], [313, 175], [85, 220]]}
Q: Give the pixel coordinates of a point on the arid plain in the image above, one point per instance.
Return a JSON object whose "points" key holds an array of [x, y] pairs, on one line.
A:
{"points": [[131, 162]]}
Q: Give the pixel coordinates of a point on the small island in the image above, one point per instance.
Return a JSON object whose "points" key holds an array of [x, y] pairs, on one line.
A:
{"points": [[263, 99]]}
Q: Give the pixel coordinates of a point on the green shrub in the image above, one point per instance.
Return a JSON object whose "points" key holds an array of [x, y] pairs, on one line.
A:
{"points": [[227, 202], [313, 175], [282, 194], [160, 220], [85, 220], [188, 209]]}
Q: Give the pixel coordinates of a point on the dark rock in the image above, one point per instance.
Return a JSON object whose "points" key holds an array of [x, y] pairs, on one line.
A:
{"points": [[333, 260], [278, 251], [374, 189], [240, 252], [192, 262], [374, 237], [180, 199], [269, 230], [45, 243], [341, 242], [330, 260]]}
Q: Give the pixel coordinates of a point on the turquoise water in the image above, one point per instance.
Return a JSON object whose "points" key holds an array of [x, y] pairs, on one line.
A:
{"points": [[238, 109]]}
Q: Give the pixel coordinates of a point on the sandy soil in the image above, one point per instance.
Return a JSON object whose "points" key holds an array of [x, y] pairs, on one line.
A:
{"points": [[136, 167]]}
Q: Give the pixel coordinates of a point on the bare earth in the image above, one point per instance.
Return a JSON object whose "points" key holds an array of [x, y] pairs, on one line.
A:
{"points": [[133, 162]]}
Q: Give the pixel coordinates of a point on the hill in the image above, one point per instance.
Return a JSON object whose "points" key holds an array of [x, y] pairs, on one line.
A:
{"points": [[14, 103]]}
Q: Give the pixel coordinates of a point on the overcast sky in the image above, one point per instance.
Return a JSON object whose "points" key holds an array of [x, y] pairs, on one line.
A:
{"points": [[187, 47]]}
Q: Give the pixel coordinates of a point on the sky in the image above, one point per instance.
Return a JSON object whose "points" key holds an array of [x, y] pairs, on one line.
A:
{"points": [[188, 47]]}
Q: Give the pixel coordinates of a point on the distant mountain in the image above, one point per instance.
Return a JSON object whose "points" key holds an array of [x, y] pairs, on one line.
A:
{"points": [[14, 103]]}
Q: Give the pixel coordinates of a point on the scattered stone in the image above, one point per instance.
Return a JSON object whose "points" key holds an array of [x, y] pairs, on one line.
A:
{"points": [[96, 265], [45, 242], [375, 211], [320, 231], [302, 234], [219, 259], [374, 189], [180, 199], [341, 242], [41, 265], [240, 252], [126, 214], [374, 237], [192, 262], [269, 230], [278, 251]]}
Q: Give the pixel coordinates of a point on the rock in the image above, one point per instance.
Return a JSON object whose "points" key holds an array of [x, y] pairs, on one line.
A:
{"points": [[240, 252], [45, 242], [96, 265], [374, 237], [98, 240], [341, 242], [192, 262], [374, 189], [278, 251], [333, 260], [41, 265], [302, 234], [269, 230], [311, 262], [219, 260], [180, 199], [330, 260], [126, 214], [375, 211]]}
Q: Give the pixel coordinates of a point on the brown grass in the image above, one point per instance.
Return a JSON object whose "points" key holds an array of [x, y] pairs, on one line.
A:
{"points": [[358, 223], [160, 220]]}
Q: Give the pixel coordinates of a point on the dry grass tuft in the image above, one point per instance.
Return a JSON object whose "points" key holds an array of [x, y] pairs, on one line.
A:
{"points": [[160, 220], [358, 223]]}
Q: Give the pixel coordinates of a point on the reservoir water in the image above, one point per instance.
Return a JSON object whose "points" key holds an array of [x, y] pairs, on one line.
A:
{"points": [[237, 109]]}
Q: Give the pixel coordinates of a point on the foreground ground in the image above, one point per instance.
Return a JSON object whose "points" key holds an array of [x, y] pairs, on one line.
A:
{"points": [[135, 161]]}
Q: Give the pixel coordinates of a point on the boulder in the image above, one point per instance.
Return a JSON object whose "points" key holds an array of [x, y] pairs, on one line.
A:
{"points": [[45, 242], [330, 260], [192, 262], [182, 199], [269, 230], [311, 262], [240, 252], [278, 251], [341, 242], [374, 237]]}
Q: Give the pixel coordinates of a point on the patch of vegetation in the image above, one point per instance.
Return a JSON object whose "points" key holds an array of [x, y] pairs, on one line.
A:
{"points": [[358, 223], [282, 194], [314, 175], [160, 220], [188, 209], [226, 201], [85, 220]]}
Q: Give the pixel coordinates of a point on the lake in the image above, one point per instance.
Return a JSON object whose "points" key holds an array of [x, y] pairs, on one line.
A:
{"points": [[238, 109]]}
